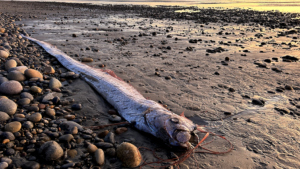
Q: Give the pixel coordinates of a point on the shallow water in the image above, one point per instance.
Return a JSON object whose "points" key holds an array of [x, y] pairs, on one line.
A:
{"points": [[277, 5]]}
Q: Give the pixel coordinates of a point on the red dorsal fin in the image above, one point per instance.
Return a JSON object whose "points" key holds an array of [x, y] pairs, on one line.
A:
{"points": [[182, 114]]}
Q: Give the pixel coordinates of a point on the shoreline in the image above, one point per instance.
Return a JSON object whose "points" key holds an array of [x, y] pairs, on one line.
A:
{"points": [[209, 68]]}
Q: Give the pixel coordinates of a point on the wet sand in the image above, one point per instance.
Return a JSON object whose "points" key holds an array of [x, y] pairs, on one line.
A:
{"points": [[208, 65]]}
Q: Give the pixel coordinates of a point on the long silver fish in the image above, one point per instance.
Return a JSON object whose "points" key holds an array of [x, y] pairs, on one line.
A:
{"points": [[147, 115]]}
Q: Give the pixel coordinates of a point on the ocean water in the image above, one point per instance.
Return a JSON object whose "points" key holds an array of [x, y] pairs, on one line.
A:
{"points": [[261, 5]]}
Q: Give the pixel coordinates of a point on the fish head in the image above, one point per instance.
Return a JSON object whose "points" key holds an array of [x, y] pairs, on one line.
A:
{"points": [[179, 132]]}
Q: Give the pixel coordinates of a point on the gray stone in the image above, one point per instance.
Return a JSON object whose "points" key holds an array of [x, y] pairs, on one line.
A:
{"points": [[104, 145], [16, 75], [110, 138], [18, 68], [31, 165], [24, 101], [3, 116], [3, 79], [7, 160], [8, 106], [8, 135], [3, 165], [26, 95], [28, 125], [51, 151], [11, 87], [69, 125], [66, 138], [54, 83]]}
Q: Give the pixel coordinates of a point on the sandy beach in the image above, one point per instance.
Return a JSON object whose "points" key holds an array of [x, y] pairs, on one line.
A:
{"points": [[233, 71]]}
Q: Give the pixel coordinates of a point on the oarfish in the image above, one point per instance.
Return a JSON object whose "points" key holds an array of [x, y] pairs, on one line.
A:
{"points": [[147, 115]]}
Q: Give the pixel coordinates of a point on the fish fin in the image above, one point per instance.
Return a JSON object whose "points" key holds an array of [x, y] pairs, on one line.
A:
{"points": [[112, 73], [182, 114]]}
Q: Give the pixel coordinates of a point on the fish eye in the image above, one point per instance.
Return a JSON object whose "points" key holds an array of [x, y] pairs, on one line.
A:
{"points": [[174, 120]]}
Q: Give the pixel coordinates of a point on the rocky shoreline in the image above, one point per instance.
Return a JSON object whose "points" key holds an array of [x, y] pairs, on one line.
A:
{"points": [[235, 67]]}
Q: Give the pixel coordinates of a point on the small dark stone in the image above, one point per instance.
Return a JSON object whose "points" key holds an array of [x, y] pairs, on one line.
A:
{"points": [[76, 106], [31, 165], [257, 102], [56, 100], [10, 151], [104, 145], [110, 138]]}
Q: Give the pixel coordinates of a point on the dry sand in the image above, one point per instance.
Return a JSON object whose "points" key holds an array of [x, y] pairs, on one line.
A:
{"points": [[185, 76]]}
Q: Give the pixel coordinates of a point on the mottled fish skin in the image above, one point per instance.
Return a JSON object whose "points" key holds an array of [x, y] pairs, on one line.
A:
{"points": [[148, 115]]}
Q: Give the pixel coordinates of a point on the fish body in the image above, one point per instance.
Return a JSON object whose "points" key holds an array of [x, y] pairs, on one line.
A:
{"points": [[147, 115]]}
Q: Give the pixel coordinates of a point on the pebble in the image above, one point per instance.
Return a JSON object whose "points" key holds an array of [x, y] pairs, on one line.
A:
{"points": [[24, 101], [69, 125], [28, 125], [18, 68], [76, 106], [10, 64], [54, 83], [8, 106], [35, 89], [99, 157], [4, 116], [11, 87], [50, 112], [111, 152], [8, 135], [110, 138], [87, 60], [103, 133], [92, 148], [257, 102], [31, 73], [51, 151], [16, 75], [7, 160], [104, 145], [129, 155], [26, 95], [10, 151], [3, 165], [13, 126], [3, 79], [72, 153], [74, 131], [4, 53], [69, 117], [36, 117], [31, 165], [49, 70], [115, 118], [66, 138], [121, 130]]}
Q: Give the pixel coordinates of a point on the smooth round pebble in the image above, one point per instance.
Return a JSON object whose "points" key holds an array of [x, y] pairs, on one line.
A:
{"points": [[129, 154], [18, 68], [3, 79], [28, 125], [8, 135], [16, 75], [49, 70], [99, 157], [36, 117], [35, 89], [10, 64], [51, 151], [66, 138], [3, 116], [31, 165], [24, 101], [4, 54], [5, 159], [8, 106], [26, 95], [31, 73], [115, 118], [3, 165], [92, 148], [11, 87], [50, 112], [121, 130], [54, 83], [13, 126]]}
